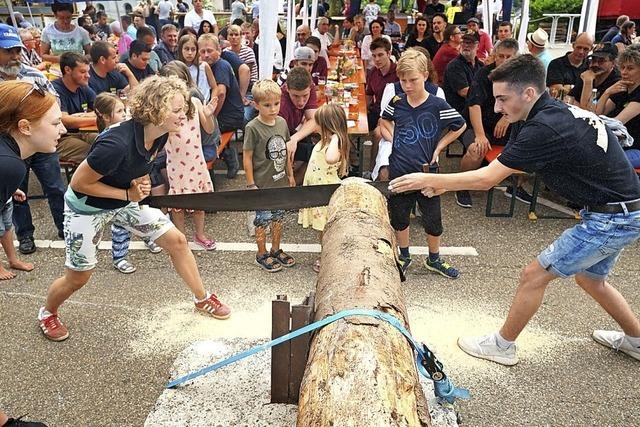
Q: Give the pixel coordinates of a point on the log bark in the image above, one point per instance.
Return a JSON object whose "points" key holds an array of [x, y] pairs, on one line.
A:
{"points": [[360, 371]]}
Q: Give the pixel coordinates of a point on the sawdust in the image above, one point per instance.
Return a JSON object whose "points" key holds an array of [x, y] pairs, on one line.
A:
{"points": [[173, 327], [439, 328]]}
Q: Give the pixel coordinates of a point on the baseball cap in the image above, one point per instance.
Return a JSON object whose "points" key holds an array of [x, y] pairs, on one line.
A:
{"points": [[470, 37], [605, 49], [304, 53], [473, 19], [9, 37]]}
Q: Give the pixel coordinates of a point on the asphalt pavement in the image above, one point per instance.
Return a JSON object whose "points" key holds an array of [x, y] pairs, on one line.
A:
{"points": [[127, 330]]}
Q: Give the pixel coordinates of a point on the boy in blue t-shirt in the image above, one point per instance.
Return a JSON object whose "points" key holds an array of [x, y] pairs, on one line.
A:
{"points": [[415, 122]]}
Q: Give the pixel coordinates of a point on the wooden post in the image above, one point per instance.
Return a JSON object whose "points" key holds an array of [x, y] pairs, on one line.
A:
{"points": [[280, 353], [361, 371]]}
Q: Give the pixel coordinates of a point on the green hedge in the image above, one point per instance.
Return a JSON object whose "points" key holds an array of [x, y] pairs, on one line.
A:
{"points": [[538, 7]]}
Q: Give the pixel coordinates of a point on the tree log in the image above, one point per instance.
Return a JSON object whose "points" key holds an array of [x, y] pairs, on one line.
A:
{"points": [[360, 371]]}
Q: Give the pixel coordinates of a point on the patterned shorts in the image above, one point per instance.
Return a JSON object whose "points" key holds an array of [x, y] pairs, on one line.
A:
{"points": [[83, 232]]}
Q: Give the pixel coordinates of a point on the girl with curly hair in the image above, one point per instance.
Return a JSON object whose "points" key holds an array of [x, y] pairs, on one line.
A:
{"points": [[107, 187]]}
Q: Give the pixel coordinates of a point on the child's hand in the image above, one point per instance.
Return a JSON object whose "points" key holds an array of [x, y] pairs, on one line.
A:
{"points": [[19, 196], [436, 156], [210, 108], [292, 181]]}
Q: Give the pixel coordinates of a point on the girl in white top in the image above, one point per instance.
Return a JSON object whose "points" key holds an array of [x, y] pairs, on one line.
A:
{"points": [[200, 71], [62, 36]]}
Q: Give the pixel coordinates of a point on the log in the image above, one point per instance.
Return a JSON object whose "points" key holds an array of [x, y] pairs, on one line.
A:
{"points": [[360, 371]]}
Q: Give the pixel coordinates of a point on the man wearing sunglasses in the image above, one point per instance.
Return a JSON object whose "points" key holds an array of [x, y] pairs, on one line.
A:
{"points": [[46, 166], [600, 75]]}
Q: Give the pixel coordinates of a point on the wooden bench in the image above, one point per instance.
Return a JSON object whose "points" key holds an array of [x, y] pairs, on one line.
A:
{"points": [[69, 168], [225, 139]]}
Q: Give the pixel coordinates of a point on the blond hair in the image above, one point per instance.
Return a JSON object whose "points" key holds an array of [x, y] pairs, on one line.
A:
{"points": [[265, 89], [333, 121], [410, 61], [151, 99], [234, 29], [209, 37]]}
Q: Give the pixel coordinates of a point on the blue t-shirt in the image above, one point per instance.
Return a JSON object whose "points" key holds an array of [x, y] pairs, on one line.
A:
{"points": [[119, 155], [233, 59], [231, 116], [417, 131], [112, 82], [79, 101]]}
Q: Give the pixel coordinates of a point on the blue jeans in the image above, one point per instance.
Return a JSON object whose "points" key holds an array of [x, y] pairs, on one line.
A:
{"points": [[593, 246], [46, 166], [264, 218], [634, 157]]}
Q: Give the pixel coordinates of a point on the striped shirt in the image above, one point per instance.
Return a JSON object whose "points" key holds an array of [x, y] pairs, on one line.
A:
{"points": [[248, 57], [33, 75]]}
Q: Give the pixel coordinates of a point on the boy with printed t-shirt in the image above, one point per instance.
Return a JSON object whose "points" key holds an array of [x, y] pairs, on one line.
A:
{"points": [[267, 165], [414, 121]]}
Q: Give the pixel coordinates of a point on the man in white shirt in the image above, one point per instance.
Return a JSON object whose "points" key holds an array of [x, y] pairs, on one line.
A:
{"points": [[326, 39], [164, 11], [194, 17]]}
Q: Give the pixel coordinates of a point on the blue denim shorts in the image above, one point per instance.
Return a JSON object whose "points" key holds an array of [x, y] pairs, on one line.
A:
{"points": [[6, 217], [263, 218], [593, 246]]}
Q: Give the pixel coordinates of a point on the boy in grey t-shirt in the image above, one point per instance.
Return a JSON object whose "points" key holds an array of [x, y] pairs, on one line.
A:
{"points": [[266, 165]]}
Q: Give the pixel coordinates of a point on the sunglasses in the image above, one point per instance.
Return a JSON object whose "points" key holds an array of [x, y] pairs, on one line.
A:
{"points": [[37, 87]]}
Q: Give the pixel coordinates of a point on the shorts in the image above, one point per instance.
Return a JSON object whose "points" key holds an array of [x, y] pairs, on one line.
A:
{"points": [[264, 218], [400, 207], [6, 217], [83, 233], [593, 246]]}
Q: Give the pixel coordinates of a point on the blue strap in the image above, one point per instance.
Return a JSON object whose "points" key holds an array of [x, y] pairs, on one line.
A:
{"points": [[443, 387]]}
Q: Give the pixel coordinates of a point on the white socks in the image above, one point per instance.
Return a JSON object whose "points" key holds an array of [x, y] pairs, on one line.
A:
{"points": [[43, 313], [501, 342]]}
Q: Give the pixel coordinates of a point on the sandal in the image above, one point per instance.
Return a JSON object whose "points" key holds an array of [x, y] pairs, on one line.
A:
{"points": [[268, 263], [207, 244], [284, 258], [152, 246], [124, 266], [316, 266]]}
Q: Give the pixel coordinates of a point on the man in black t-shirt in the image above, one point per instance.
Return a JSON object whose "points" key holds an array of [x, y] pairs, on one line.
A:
{"points": [[601, 74], [435, 40], [487, 127], [578, 157], [458, 75], [106, 74], [564, 72], [76, 103], [138, 62]]}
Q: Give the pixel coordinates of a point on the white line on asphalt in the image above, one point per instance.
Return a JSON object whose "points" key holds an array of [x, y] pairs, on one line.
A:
{"points": [[251, 247]]}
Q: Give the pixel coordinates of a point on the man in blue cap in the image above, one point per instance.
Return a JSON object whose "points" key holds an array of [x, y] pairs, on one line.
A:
{"points": [[46, 166]]}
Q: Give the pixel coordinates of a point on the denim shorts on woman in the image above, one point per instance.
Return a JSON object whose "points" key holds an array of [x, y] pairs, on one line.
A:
{"points": [[593, 246]]}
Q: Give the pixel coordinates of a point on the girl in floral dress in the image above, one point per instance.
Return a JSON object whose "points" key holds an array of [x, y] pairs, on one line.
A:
{"points": [[186, 167], [327, 164]]}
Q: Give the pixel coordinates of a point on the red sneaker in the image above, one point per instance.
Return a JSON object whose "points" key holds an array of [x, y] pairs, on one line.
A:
{"points": [[212, 306], [53, 329]]}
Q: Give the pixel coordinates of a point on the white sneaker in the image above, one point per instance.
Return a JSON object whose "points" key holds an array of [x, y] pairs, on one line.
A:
{"points": [[617, 341], [485, 347]]}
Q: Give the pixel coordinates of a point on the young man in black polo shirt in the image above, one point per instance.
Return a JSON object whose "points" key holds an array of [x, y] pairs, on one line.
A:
{"points": [[76, 103], [564, 72], [138, 62], [601, 74], [578, 157], [487, 127], [106, 74]]}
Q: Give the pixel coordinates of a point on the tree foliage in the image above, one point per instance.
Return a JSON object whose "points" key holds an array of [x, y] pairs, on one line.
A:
{"points": [[538, 7]]}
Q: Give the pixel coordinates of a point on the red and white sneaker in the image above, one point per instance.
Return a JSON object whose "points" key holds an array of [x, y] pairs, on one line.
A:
{"points": [[211, 306], [51, 326]]}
